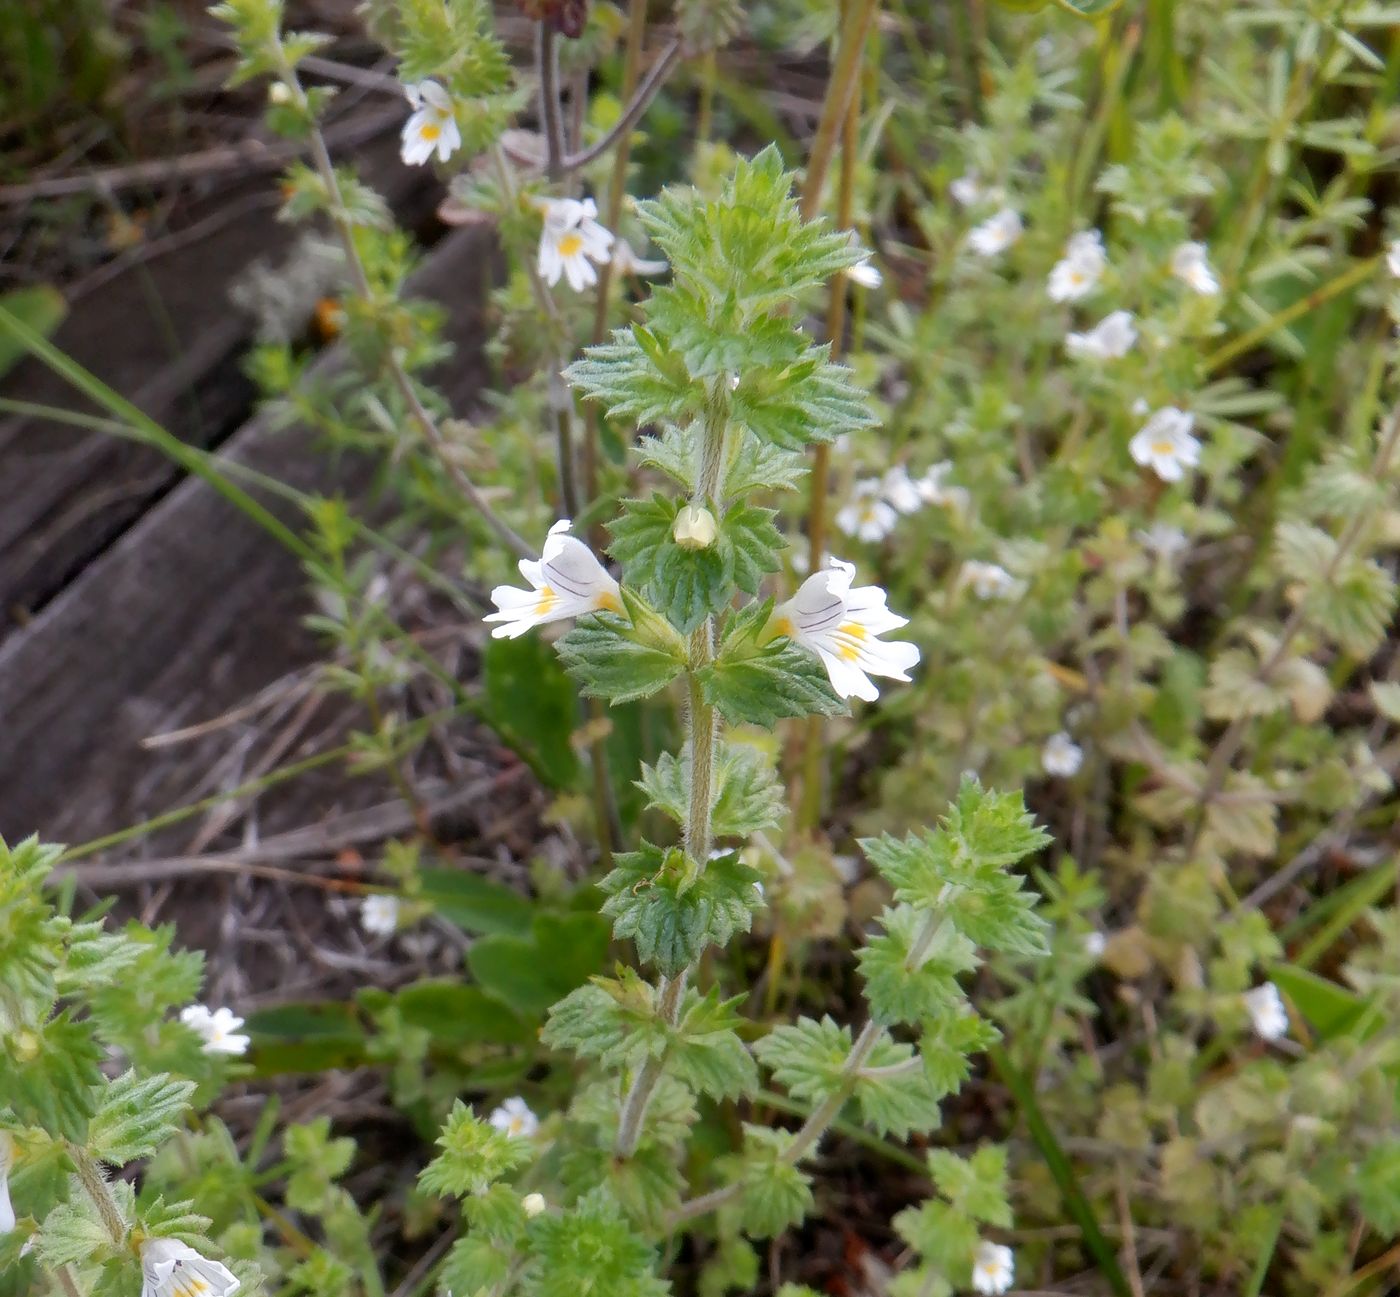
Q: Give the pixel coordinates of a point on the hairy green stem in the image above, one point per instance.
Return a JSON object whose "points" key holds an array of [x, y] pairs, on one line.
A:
{"points": [[840, 88], [95, 1186], [701, 723], [826, 1112]]}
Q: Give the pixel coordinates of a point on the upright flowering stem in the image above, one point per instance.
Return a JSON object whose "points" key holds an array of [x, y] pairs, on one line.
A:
{"points": [[427, 425], [551, 110], [700, 741], [810, 807]]}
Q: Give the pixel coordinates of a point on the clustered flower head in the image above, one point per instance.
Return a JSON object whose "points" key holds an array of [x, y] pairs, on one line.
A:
{"points": [[1266, 1011], [572, 242], [1077, 274], [515, 1119], [1061, 756], [567, 580], [993, 1268], [996, 233], [1165, 444], [432, 127], [842, 626], [379, 915], [172, 1269], [1191, 264], [217, 1029], [1110, 339]]}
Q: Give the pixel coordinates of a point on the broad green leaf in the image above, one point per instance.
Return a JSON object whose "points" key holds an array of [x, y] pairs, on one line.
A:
{"points": [[531, 704], [476, 904], [531, 973], [605, 655]]}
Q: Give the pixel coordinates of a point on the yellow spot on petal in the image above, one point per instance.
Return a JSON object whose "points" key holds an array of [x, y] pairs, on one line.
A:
{"points": [[546, 601], [430, 131], [609, 602], [782, 626], [571, 244], [1164, 448], [852, 628]]}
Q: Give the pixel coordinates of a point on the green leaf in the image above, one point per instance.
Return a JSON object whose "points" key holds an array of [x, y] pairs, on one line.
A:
{"points": [[476, 904], [807, 1057], [751, 544], [136, 1115], [894, 1093], [531, 973], [975, 1186], [530, 703], [685, 585], [611, 658], [672, 907], [748, 796], [1378, 1187], [41, 307], [456, 1015], [760, 684], [308, 1037], [947, 1046], [1331, 1010], [776, 1193], [706, 1052], [50, 1074], [898, 992], [473, 1157], [757, 465], [591, 1248]]}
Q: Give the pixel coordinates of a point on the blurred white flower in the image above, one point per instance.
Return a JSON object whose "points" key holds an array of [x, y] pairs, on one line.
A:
{"points": [[1162, 540], [967, 190], [432, 128], [901, 490], [1061, 756], [515, 1119], [627, 262], [171, 1269], [996, 233], [989, 580], [571, 241], [1392, 257], [1191, 264], [1165, 444], [842, 627], [218, 1029], [867, 515], [1095, 943], [1110, 339], [379, 915], [533, 1203], [567, 580], [7, 1160], [866, 274], [1266, 1011], [1077, 274], [993, 1269]]}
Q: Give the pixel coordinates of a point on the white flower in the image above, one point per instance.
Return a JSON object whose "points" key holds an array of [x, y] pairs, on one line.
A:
{"points": [[1162, 540], [901, 491], [866, 274], [627, 262], [1165, 444], [841, 626], [967, 190], [695, 527], [1095, 943], [566, 581], [1392, 258], [218, 1030], [379, 915], [1266, 1011], [7, 1158], [433, 126], [533, 1203], [996, 233], [572, 241], [515, 1119], [1078, 272], [1190, 265], [934, 490], [170, 1269], [989, 580], [1110, 339], [993, 1268], [867, 516], [1061, 756]]}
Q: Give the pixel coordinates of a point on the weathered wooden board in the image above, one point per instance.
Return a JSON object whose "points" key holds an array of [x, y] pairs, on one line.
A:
{"points": [[166, 336], [188, 611]]}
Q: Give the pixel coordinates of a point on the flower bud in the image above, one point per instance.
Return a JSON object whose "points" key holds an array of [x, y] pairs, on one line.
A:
{"points": [[695, 527], [278, 93], [533, 1203]]}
